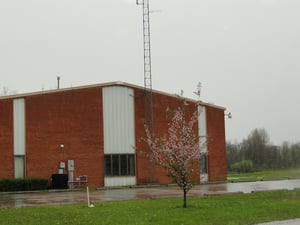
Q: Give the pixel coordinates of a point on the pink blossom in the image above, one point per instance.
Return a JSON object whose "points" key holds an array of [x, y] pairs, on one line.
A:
{"points": [[177, 150]]}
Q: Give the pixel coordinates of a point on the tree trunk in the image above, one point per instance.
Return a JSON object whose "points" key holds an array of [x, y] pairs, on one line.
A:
{"points": [[184, 198]]}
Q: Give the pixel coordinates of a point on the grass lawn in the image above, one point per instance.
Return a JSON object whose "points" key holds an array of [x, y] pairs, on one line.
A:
{"points": [[226, 209], [265, 175]]}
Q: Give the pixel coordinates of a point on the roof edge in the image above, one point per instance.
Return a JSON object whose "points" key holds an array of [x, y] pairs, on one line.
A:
{"points": [[107, 84]]}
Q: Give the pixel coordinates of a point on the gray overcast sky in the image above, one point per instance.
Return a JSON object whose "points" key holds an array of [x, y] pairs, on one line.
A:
{"points": [[244, 52]]}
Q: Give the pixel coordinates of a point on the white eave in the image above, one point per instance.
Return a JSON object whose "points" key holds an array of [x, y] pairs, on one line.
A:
{"points": [[117, 83]]}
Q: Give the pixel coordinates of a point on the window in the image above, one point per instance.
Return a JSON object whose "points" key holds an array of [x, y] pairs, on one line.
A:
{"points": [[115, 165], [203, 164], [123, 165], [119, 165], [108, 165]]}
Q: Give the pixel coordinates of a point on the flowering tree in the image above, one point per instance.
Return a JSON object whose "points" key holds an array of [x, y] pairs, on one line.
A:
{"points": [[177, 151]]}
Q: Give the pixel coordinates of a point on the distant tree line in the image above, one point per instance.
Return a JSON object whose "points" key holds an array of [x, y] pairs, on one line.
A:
{"points": [[257, 153]]}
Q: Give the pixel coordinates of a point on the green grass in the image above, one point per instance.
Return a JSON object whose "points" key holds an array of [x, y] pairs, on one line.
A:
{"points": [[229, 209], [265, 175]]}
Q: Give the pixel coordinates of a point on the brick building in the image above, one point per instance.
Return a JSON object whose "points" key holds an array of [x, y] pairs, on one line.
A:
{"points": [[96, 131]]}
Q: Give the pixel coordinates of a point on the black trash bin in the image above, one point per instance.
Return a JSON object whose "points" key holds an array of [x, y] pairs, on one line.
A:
{"points": [[59, 181]]}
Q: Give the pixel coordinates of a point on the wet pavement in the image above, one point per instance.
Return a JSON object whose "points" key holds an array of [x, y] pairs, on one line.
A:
{"points": [[285, 222], [16, 200]]}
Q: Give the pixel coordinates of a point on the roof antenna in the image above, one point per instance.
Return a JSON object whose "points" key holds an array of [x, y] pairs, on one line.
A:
{"points": [[198, 92], [181, 93], [58, 79]]}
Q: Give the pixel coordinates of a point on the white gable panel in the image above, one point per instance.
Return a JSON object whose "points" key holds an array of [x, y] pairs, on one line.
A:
{"points": [[202, 128], [119, 181], [19, 126], [118, 120]]}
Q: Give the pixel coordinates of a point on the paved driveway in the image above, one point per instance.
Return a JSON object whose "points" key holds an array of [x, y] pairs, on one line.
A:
{"points": [[15, 200], [80, 196], [286, 222]]}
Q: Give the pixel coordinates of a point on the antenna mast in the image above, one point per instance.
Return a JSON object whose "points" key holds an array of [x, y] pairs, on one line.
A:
{"points": [[147, 79], [147, 49], [147, 64]]}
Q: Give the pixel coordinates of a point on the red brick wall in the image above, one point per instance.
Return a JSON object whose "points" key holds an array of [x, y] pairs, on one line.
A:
{"points": [[145, 170], [163, 111], [72, 118], [216, 144], [6, 139]]}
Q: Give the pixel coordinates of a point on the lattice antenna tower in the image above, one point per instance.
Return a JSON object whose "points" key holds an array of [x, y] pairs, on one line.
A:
{"points": [[147, 47], [147, 64], [148, 80]]}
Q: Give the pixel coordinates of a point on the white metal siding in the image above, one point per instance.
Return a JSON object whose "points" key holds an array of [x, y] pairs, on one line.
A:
{"points": [[203, 137], [19, 137], [19, 166], [119, 181], [118, 120], [19, 126], [202, 128]]}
